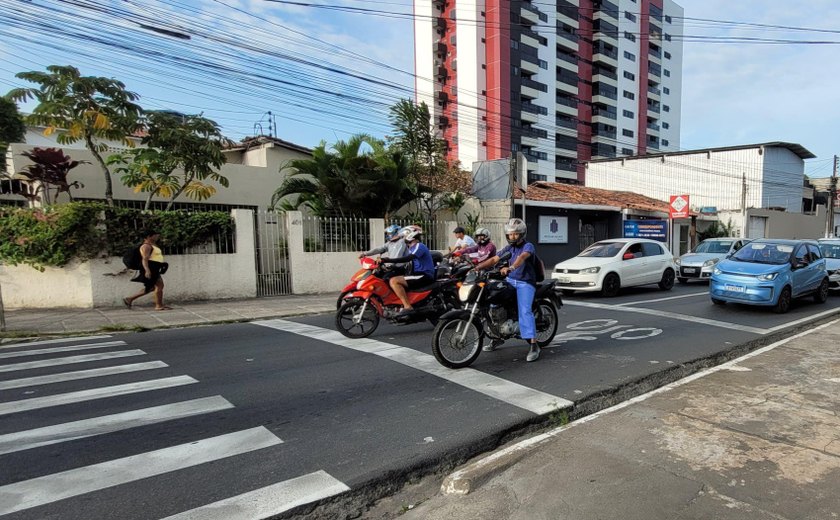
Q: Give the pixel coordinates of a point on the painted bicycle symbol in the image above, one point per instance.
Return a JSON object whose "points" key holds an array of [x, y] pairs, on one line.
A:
{"points": [[591, 330]]}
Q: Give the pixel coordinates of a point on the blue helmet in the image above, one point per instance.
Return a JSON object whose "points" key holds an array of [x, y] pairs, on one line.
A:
{"points": [[392, 231]]}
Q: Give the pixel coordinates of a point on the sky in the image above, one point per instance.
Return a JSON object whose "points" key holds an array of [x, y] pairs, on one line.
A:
{"points": [[330, 69]]}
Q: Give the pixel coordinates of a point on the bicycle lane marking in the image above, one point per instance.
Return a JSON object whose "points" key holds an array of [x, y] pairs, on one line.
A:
{"points": [[672, 315], [521, 396]]}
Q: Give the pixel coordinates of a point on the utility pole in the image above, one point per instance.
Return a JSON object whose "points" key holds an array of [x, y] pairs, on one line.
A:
{"points": [[2, 313], [832, 200], [512, 178]]}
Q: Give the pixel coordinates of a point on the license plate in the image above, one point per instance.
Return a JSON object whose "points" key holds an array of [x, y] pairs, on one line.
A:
{"points": [[564, 279], [689, 270], [734, 288]]}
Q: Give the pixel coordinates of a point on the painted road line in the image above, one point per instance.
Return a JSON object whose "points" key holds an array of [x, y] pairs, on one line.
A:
{"points": [[51, 341], [269, 501], [70, 360], [642, 302], [804, 320], [26, 440], [512, 393], [80, 374], [672, 315], [56, 350], [95, 393], [52, 488]]}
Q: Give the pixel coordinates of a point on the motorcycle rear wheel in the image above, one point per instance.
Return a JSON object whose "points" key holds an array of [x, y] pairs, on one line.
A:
{"points": [[457, 342], [346, 314], [546, 318]]}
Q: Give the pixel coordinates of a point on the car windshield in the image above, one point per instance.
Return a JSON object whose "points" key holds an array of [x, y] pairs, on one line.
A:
{"points": [[830, 250], [602, 249], [714, 246], [764, 253]]}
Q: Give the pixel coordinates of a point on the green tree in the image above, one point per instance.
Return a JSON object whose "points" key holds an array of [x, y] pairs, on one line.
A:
{"points": [[12, 128], [350, 179], [182, 151], [83, 108]]}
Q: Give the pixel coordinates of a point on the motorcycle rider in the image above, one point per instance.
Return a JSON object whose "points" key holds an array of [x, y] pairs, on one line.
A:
{"points": [[422, 266], [522, 275], [484, 246], [394, 247]]}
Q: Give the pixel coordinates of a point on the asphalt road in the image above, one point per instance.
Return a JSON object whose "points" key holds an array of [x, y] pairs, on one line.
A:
{"points": [[280, 413]]}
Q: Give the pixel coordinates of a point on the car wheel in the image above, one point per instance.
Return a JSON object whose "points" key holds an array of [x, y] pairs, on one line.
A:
{"points": [[612, 283], [783, 304], [667, 281], [682, 280], [822, 293], [718, 302]]}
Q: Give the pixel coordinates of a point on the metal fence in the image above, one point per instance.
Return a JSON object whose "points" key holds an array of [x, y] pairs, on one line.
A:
{"points": [[336, 235], [436, 236]]}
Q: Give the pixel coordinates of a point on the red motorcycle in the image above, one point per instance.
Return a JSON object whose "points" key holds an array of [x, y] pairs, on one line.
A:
{"points": [[371, 298]]}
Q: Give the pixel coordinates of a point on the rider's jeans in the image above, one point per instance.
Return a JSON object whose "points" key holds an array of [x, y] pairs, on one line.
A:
{"points": [[524, 301]]}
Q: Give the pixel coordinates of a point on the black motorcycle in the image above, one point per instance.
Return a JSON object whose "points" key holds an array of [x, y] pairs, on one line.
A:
{"points": [[490, 311]]}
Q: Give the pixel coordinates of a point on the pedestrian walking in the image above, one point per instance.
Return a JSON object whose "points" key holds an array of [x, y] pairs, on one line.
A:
{"points": [[152, 267]]}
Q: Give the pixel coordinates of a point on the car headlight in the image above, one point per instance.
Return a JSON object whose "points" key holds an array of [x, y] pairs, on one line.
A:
{"points": [[769, 277], [590, 270], [678, 261], [717, 270], [710, 262]]}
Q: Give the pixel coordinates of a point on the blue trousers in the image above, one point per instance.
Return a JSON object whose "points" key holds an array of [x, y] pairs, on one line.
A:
{"points": [[524, 301]]}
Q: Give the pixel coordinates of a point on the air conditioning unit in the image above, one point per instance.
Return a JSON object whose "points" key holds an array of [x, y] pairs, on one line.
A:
{"points": [[443, 121], [442, 73], [442, 97], [441, 49]]}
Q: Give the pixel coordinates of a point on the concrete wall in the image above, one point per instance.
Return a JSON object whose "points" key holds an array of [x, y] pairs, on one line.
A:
{"points": [[102, 282], [779, 224]]}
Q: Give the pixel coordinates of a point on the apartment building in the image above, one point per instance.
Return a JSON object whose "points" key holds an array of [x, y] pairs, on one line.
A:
{"points": [[562, 81]]}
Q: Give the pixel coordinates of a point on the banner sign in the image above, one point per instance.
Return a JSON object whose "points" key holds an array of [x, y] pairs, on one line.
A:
{"points": [[679, 206], [652, 229], [553, 230]]}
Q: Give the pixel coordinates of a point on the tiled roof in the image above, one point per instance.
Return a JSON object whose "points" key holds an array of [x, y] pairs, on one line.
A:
{"points": [[581, 195], [251, 142]]}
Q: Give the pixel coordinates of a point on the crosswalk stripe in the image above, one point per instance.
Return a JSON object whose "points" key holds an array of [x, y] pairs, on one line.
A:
{"points": [[95, 393], [84, 358], [268, 501], [51, 488], [80, 374], [55, 350], [51, 341], [38, 437], [512, 393]]}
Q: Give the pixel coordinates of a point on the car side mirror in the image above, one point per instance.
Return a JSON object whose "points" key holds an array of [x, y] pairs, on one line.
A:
{"points": [[628, 256]]}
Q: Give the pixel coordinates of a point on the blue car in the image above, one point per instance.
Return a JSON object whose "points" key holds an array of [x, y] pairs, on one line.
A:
{"points": [[771, 273]]}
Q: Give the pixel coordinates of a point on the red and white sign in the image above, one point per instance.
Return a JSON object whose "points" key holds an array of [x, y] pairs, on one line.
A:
{"points": [[679, 206]]}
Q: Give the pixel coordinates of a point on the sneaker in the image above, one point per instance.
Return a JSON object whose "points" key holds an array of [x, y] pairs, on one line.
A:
{"points": [[493, 345], [534, 353]]}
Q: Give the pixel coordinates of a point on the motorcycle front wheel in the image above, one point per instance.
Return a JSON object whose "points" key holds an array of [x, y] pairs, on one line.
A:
{"points": [[545, 316], [457, 342], [356, 318]]}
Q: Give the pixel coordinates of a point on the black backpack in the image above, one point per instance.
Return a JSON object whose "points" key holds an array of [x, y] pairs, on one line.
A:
{"points": [[539, 268], [132, 259]]}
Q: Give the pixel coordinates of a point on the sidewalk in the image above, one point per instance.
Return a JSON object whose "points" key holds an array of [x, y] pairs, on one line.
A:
{"points": [[143, 315], [756, 438]]}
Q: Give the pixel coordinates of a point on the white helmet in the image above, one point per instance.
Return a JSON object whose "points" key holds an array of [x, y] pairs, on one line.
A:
{"points": [[411, 233], [516, 225], [482, 235]]}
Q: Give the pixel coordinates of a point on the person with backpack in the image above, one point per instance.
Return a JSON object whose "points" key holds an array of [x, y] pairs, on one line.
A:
{"points": [[148, 260], [522, 274]]}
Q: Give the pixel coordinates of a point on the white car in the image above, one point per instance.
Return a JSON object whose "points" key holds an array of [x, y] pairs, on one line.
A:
{"points": [[609, 265], [700, 263], [830, 249]]}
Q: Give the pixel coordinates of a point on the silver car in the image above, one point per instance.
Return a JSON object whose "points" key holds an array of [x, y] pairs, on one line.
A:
{"points": [[830, 249], [700, 263]]}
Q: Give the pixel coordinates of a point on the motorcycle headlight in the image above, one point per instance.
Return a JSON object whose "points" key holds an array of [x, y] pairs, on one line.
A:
{"points": [[590, 270], [769, 277], [464, 292], [710, 262], [717, 270]]}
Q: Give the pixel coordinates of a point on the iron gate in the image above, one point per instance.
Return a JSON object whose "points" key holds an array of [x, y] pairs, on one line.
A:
{"points": [[274, 277]]}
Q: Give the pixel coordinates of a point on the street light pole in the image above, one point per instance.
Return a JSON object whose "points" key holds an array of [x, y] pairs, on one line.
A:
{"points": [[832, 200]]}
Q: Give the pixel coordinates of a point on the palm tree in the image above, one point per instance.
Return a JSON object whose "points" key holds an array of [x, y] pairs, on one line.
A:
{"points": [[87, 108]]}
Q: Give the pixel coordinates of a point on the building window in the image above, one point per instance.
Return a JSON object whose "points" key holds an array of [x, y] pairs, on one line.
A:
{"points": [[626, 151], [630, 16], [629, 75], [667, 19], [514, 44], [514, 70], [627, 113], [630, 36], [630, 56], [667, 37], [666, 126], [666, 108], [543, 64], [665, 142], [667, 73], [514, 147], [627, 133], [629, 95], [666, 90], [667, 55]]}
